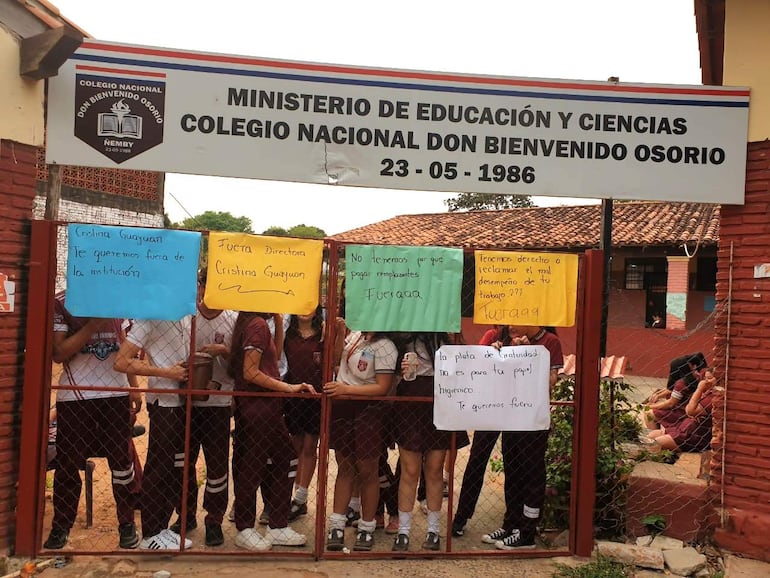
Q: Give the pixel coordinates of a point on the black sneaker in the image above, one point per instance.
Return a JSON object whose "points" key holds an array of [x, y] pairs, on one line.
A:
{"points": [[516, 541], [335, 541], [493, 537], [129, 539], [445, 488], [364, 541], [401, 543], [432, 542], [458, 527], [176, 527], [214, 536], [56, 539], [297, 510], [351, 517]]}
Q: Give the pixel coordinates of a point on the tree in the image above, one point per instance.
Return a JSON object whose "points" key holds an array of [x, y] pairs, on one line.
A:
{"points": [[303, 231], [307, 232], [484, 202], [216, 221], [276, 231]]}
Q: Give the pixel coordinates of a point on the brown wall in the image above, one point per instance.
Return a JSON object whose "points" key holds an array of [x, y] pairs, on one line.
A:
{"points": [[746, 437], [17, 193]]}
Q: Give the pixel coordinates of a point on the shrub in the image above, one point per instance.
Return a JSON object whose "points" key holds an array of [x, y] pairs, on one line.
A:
{"points": [[617, 425]]}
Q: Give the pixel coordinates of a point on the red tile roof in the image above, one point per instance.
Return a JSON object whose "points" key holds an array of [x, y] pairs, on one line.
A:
{"points": [[49, 14], [635, 224]]}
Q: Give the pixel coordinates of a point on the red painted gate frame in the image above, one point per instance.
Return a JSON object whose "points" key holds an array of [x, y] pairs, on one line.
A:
{"points": [[37, 379]]}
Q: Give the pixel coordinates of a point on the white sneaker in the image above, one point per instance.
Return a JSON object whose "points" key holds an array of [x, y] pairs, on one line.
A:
{"points": [[164, 540], [285, 537], [250, 539]]}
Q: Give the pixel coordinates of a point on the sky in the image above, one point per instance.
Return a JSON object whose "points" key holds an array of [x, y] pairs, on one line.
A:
{"points": [[651, 41]]}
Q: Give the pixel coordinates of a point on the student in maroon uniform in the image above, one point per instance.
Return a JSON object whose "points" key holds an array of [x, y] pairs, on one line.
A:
{"points": [[524, 458], [367, 365], [303, 346], [262, 449], [420, 445], [692, 433], [88, 418]]}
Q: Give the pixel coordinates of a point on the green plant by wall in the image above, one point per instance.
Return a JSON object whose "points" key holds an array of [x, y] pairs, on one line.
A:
{"points": [[602, 567], [617, 425]]}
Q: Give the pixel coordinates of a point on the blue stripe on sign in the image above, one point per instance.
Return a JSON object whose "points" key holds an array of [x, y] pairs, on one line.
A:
{"points": [[411, 86]]}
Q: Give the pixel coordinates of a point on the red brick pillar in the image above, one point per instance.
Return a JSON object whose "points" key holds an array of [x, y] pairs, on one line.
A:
{"points": [[676, 292], [17, 194], [743, 438]]}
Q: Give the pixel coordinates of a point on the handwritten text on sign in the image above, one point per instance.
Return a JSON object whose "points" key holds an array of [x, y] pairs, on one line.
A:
{"points": [[480, 388], [515, 288], [131, 272], [394, 288], [267, 274]]}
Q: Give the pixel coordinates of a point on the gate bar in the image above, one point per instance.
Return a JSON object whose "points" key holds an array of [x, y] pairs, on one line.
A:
{"points": [[583, 490], [37, 388]]}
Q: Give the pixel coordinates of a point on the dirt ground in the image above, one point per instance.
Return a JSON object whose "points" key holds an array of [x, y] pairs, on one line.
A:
{"points": [[145, 567], [102, 536]]}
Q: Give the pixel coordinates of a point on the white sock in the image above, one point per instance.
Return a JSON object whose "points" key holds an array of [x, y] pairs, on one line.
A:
{"points": [[300, 495], [434, 518], [337, 522], [404, 522], [367, 526], [355, 503]]}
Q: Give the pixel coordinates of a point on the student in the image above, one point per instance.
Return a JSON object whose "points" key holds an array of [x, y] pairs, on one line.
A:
{"points": [[303, 346], [367, 365], [88, 419], [693, 433], [669, 408], [481, 449], [420, 445], [262, 449], [524, 458], [210, 421], [166, 346]]}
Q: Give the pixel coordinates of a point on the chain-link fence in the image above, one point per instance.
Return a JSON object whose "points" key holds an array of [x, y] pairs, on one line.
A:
{"points": [[228, 451]]}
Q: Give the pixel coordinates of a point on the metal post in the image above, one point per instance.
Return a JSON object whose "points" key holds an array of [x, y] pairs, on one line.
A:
{"points": [[585, 439], [605, 244], [37, 389]]}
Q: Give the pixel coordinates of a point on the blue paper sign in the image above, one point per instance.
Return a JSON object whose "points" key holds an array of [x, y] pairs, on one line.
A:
{"points": [[127, 272]]}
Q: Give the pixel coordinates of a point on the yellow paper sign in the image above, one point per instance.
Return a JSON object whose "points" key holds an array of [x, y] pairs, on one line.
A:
{"points": [[514, 288], [264, 274]]}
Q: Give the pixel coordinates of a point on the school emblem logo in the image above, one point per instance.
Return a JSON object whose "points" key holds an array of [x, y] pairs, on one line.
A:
{"points": [[121, 117]]}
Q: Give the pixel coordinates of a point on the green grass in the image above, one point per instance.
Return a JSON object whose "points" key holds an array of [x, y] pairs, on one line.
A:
{"points": [[602, 567]]}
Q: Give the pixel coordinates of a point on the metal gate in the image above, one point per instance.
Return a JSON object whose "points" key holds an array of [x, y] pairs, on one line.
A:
{"points": [[95, 527]]}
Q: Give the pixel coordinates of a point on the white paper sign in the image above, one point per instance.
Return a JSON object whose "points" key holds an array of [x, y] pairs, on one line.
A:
{"points": [[137, 107], [480, 388]]}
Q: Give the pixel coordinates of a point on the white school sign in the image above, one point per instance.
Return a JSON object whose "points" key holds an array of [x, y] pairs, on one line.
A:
{"points": [[133, 107]]}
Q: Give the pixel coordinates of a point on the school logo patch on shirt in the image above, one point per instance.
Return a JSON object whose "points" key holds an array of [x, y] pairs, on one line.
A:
{"points": [[101, 349], [363, 361]]}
